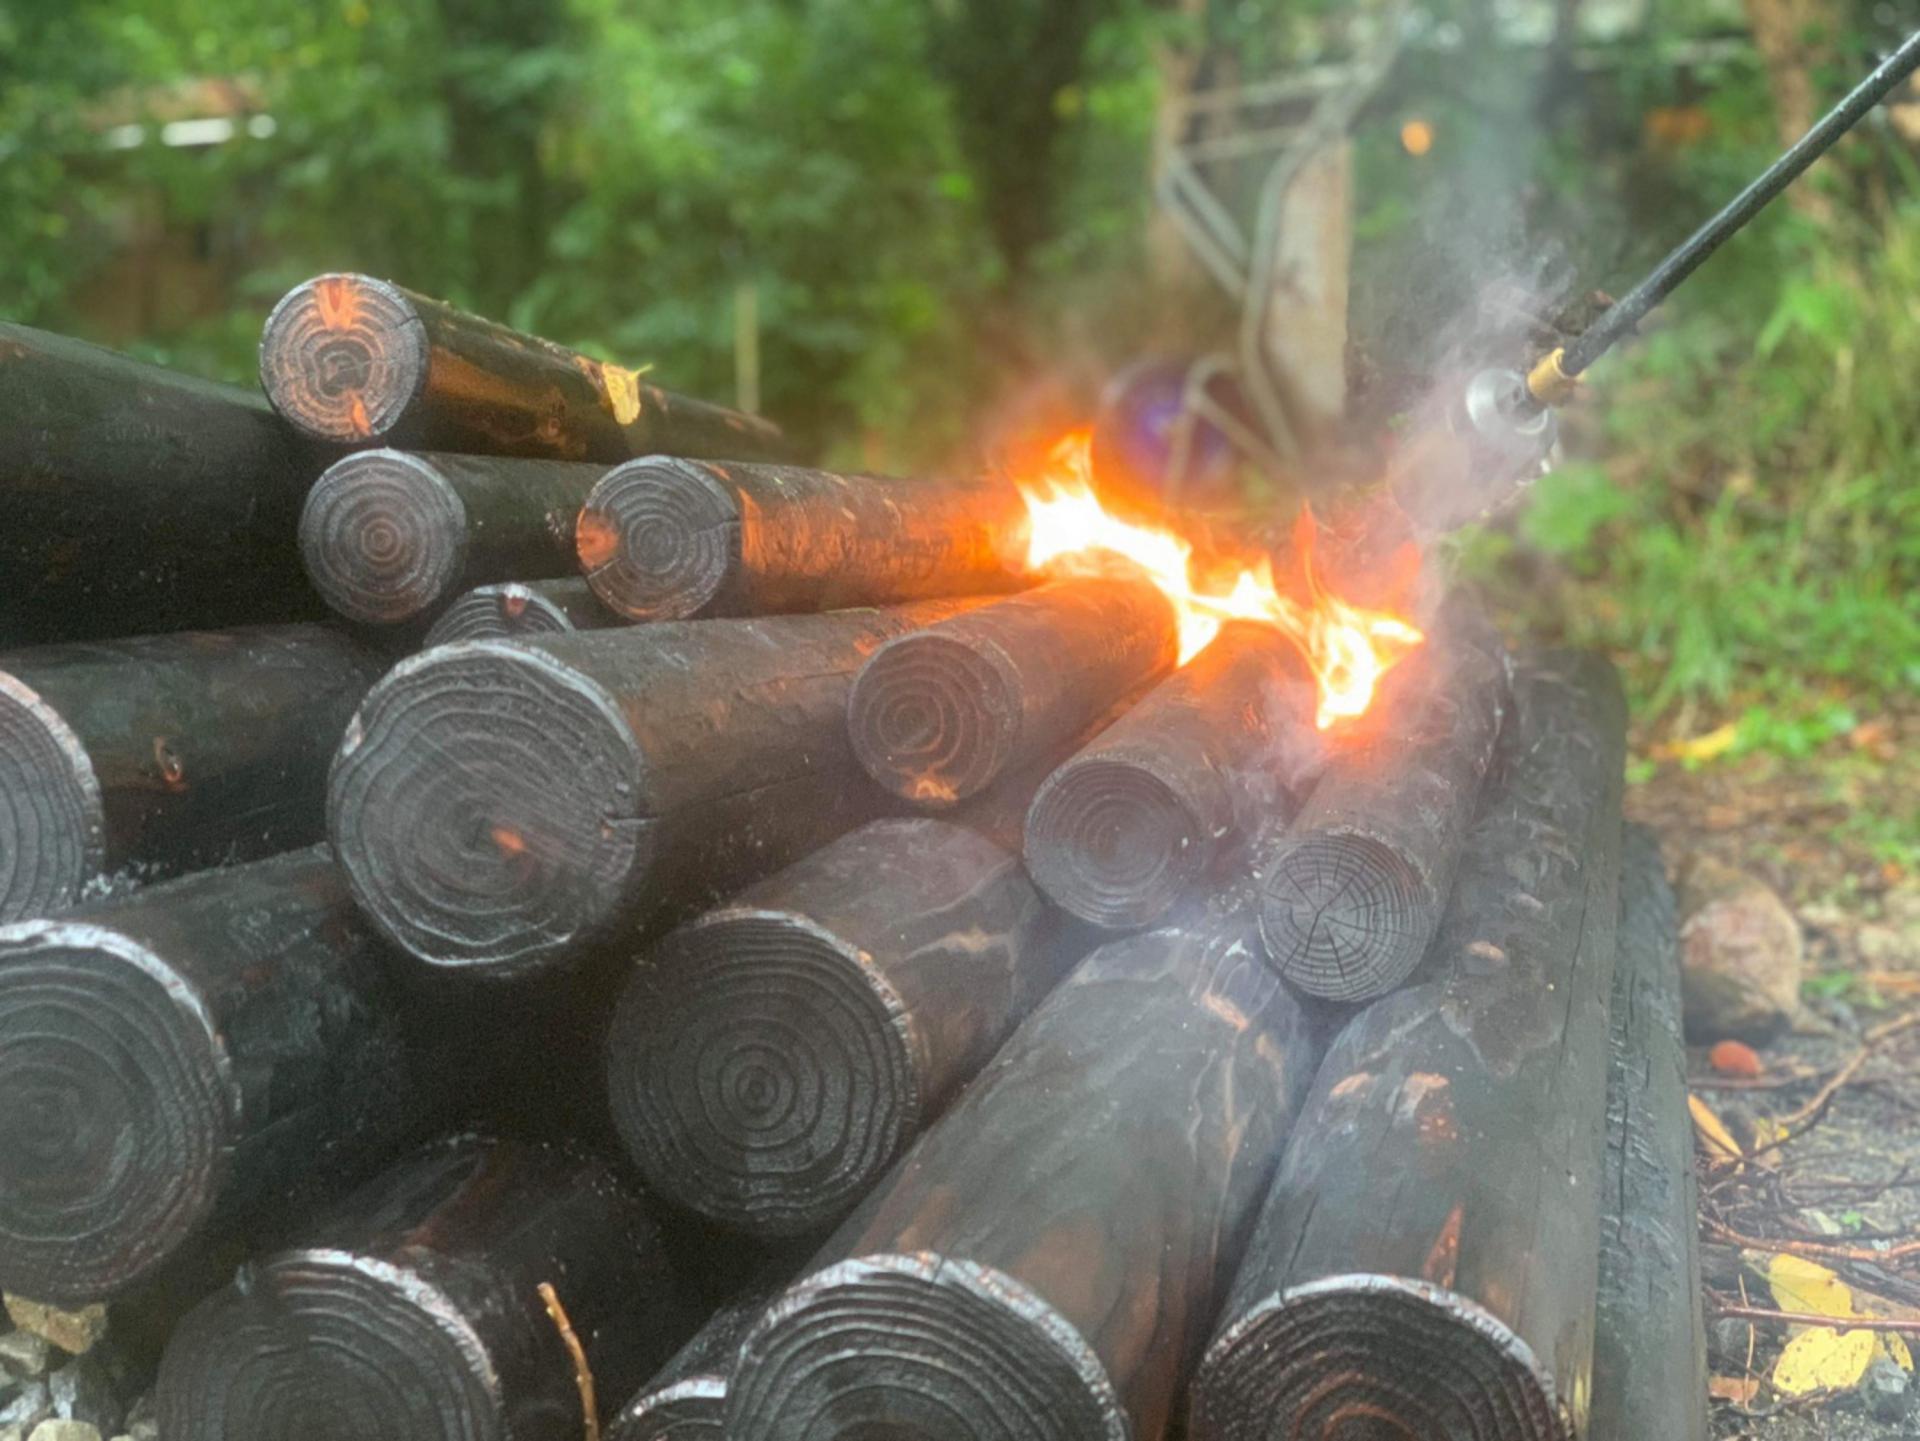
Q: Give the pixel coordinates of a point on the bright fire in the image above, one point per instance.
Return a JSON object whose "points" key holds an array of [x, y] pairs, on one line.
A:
{"points": [[1347, 648]]}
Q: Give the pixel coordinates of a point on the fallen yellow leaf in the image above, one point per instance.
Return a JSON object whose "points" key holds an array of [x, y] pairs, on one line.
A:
{"points": [[1714, 1136], [1802, 1285], [1716, 742], [1823, 1359]]}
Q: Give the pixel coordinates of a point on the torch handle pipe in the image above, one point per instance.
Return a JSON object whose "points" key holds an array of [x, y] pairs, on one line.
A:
{"points": [[1620, 319]]}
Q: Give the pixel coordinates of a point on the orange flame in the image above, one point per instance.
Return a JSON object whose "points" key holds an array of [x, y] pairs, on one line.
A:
{"points": [[1348, 648]]}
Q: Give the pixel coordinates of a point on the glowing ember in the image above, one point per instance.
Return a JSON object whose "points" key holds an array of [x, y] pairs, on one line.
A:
{"points": [[1347, 648]]}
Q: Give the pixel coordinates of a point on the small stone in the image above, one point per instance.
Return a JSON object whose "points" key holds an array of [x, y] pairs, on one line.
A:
{"points": [[12, 1433], [147, 1430], [75, 1332], [1729, 1343], [1885, 1389], [82, 1392], [1740, 953], [64, 1431], [23, 1355], [27, 1407]]}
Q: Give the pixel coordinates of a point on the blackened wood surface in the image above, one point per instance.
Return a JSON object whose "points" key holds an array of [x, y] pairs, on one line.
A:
{"points": [[360, 361], [505, 805], [1650, 1345], [937, 717], [415, 1313], [183, 1058], [1352, 898], [388, 536], [510, 609], [1046, 1261], [155, 756], [137, 500], [1426, 1263], [683, 1402], [1179, 785], [666, 539], [772, 1058]]}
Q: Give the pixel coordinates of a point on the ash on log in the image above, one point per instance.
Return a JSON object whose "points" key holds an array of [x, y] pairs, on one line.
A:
{"points": [[138, 500], [1045, 1261], [478, 1289], [389, 537], [1351, 898], [1180, 784], [360, 361], [666, 539], [772, 1058], [684, 1401], [501, 806], [1650, 1340], [1426, 1263], [938, 716], [512, 609], [164, 754], [183, 1057]]}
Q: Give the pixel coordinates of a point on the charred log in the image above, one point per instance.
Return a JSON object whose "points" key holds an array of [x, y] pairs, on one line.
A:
{"points": [[1044, 1263], [177, 1059], [1650, 1344], [502, 806], [685, 1400], [360, 361], [160, 755], [1425, 1265], [665, 539], [138, 500], [389, 537], [937, 717], [1180, 784], [772, 1058], [511, 609], [478, 1289], [1352, 897]]}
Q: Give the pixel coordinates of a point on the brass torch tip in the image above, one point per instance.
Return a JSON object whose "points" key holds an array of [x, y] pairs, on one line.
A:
{"points": [[1547, 383]]}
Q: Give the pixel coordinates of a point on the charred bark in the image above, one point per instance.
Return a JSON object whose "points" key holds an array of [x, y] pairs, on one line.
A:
{"points": [[772, 1058], [665, 539], [1179, 785], [417, 1313], [1426, 1263], [138, 500], [389, 537], [937, 717], [1650, 1340], [1044, 1262], [504, 805], [683, 1402], [511, 609], [175, 1060], [1352, 897], [152, 757], [359, 361]]}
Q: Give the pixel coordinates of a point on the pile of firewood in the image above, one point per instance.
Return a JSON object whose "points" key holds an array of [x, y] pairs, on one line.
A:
{"points": [[695, 946]]}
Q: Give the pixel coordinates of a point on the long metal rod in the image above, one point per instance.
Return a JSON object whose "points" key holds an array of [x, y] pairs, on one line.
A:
{"points": [[1624, 314]]}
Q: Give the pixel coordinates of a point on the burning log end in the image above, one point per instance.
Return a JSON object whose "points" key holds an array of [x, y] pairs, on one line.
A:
{"points": [[491, 810], [966, 1352], [502, 612], [344, 357], [659, 539], [52, 821], [1460, 1374], [383, 536], [120, 1107]]}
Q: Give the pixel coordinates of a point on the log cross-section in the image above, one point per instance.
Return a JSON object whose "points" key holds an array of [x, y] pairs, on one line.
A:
{"points": [[513, 608]]}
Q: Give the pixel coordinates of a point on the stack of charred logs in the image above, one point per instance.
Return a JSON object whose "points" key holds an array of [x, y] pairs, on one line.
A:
{"points": [[644, 940]]}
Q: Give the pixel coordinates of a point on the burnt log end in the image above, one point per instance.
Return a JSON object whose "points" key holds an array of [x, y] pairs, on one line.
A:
{"points": [[383, 537], [344, 357], [659, 539]]}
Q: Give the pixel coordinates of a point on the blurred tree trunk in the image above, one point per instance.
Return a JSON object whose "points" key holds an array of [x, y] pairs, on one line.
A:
{"points": [[1796, 40]]}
